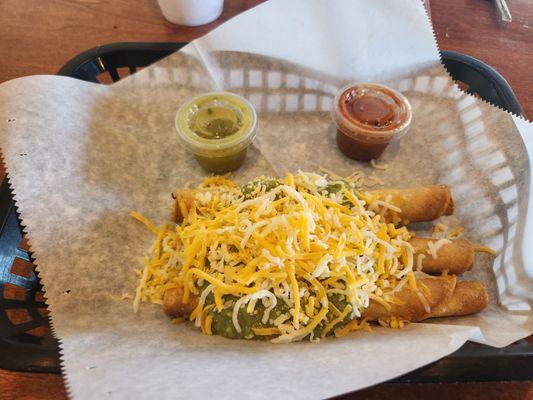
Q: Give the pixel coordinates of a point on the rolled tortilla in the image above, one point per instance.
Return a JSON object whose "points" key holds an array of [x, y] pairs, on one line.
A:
{"points": [[469, 297], [173, 303], [424, 203], [456, 257], [184, 201], [407, 304], [445, 297]]}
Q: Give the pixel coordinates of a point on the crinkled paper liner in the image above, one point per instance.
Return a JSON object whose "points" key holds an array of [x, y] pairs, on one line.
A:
{"points": [[82, 156]]}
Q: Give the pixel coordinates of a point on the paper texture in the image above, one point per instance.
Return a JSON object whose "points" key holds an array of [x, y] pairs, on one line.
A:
{"points": [[81, 156]]}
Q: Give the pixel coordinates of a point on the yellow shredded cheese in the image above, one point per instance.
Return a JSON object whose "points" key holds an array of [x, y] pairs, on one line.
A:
{"points": [[207, 324], [142, 219], [392, 322], [485, 249], [455, 233], [335, 321], [352, 326], [266, 331]]}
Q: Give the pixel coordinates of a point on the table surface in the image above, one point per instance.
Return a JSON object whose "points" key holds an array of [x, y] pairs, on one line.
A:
{"points": [[38, 37]]}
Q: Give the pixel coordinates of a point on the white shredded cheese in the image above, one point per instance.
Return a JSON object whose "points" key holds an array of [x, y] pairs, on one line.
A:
{"points": [[375, 165], [434, 247]]}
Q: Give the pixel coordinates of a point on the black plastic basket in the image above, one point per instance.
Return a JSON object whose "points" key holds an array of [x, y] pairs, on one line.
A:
{"points": [[23, 347]]}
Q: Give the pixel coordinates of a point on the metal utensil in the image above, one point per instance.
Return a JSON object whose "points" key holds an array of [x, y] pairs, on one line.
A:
{"points": [[504, 15]]}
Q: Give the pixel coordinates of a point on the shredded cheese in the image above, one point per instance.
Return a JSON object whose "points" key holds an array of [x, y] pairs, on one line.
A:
{"points": [[352, 326], [485, 249], [289, 242], [142, 219], [393, 322], [375, 165], [456, 233], [357, 179], [441, 231], [266, 331], [335, 321], [424, 301], [420, 261], [434, 247]]}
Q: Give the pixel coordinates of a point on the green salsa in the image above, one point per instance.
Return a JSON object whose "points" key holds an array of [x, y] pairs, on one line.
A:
{"points": [[221, 165], [216, 122], [223, 323], [256, 187], [217, 128]]}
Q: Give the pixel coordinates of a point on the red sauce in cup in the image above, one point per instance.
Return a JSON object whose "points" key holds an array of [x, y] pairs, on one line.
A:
{"points": [[369, 110], [357, 149], [368, 117]]}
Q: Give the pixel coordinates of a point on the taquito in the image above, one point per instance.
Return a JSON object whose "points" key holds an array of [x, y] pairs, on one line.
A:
{"points": [[455, 257], [418, 204], [173, 304], [183, 202], [468, 297], [444, 297]]}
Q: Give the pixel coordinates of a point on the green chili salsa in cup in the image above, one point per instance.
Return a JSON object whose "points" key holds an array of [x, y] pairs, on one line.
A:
{"points": [[217, 127]]}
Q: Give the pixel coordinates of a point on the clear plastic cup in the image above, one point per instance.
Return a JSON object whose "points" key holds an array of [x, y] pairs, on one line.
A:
{"points": [[217, 127], [368, 116]]}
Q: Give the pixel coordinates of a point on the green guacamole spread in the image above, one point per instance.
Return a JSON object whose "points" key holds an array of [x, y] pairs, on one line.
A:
{"points": [[222, 321]]}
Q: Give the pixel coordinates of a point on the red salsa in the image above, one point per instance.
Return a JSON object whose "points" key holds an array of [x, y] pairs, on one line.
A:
{"points": [[361, 150], [368, 117]]}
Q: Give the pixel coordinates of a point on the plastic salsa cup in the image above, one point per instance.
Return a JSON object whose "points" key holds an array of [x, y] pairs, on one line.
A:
{"points": [[368, 116], [217, 127]]}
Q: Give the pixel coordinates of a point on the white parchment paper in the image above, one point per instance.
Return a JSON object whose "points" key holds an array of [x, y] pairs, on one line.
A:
{"points": [[81, 156]]}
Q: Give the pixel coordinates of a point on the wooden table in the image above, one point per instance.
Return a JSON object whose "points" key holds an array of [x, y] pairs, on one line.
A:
{"points": [[39, 36]]}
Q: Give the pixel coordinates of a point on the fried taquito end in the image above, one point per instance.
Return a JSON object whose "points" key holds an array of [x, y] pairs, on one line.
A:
{"points": [[455, 257], [174, 306], [183, 203], [418, 204], [442, 297], [414, 305], [469, 297]]}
